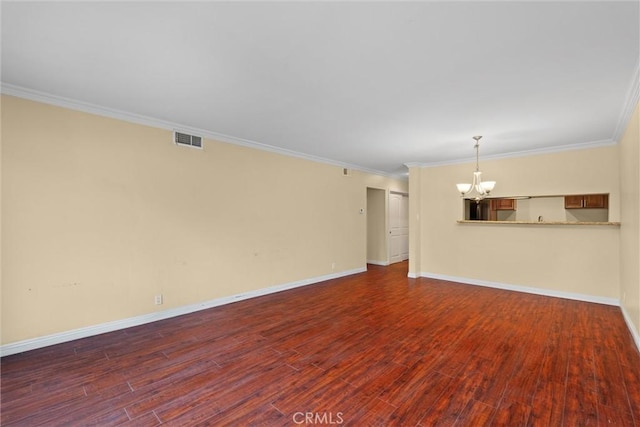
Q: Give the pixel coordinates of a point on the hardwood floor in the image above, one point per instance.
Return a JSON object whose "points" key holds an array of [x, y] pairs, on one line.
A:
{"points": [[375, 348]]}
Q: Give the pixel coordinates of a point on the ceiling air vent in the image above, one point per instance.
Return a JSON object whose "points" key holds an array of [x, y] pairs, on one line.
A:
{"points": [[181, 138]]}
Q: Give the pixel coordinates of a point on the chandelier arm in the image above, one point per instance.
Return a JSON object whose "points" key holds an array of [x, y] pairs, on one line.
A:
{"points": [[474, 182], [480, 188], [474, 185]]}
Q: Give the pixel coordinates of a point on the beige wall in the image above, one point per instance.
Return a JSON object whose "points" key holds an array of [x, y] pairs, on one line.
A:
{"points": [[573, 259], [99, 215], [630, 218], [1, 223], [416, 235]]}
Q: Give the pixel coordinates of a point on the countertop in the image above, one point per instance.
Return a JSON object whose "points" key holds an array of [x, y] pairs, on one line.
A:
{"points": [[538, 223]]}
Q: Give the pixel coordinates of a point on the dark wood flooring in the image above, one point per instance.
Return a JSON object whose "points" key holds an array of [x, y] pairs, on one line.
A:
{"points": [[375, 348]]}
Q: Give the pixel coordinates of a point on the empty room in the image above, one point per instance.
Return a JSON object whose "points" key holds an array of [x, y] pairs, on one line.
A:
{"points": [[320, 213]]}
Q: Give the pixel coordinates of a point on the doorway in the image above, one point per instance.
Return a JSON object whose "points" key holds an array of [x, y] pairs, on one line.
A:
{"points": [[398, 227], [377, 252]]}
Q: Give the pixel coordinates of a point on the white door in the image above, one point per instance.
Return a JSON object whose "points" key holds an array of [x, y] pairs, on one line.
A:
{"points": [[399, 227]]}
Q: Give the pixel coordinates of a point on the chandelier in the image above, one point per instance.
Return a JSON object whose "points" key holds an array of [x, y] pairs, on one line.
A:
{"points": [[482, 189]]}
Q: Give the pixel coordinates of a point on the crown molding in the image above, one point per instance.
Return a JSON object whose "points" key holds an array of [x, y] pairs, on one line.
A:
{"points": [[85, 107], [414, 165], [523, 153], [632, 100], [633, 97]]}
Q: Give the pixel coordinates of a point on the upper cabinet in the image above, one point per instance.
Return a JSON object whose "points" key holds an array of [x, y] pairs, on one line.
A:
{"points": [[587, 201], [503, 204], [596, 201]]}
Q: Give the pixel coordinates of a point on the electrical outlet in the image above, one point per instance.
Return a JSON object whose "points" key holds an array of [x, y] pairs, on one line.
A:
{"points": [[158, 299]]}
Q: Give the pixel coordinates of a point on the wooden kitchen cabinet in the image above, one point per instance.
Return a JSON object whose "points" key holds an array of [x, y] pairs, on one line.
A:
{"points": [[596, 201], [573, 202], [587, 201], [503, 204]]}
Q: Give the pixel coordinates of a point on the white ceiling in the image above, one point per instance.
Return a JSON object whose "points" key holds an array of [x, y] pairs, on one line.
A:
{"points": [[371, 84]]}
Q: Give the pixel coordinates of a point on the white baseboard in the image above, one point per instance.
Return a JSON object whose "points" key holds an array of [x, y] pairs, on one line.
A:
{"points": [[382, 263], [526, 289], [545, 292], [32, 344], [411, 275], [631, 326]]}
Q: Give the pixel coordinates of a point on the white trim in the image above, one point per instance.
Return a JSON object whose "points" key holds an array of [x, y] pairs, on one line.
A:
{"points": [[633, 97], [525, 289], [31, 344], [631, 326], [382, 263], [537, 291], [414, 164], [524, 153], [411, 275], [72, 104]]}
